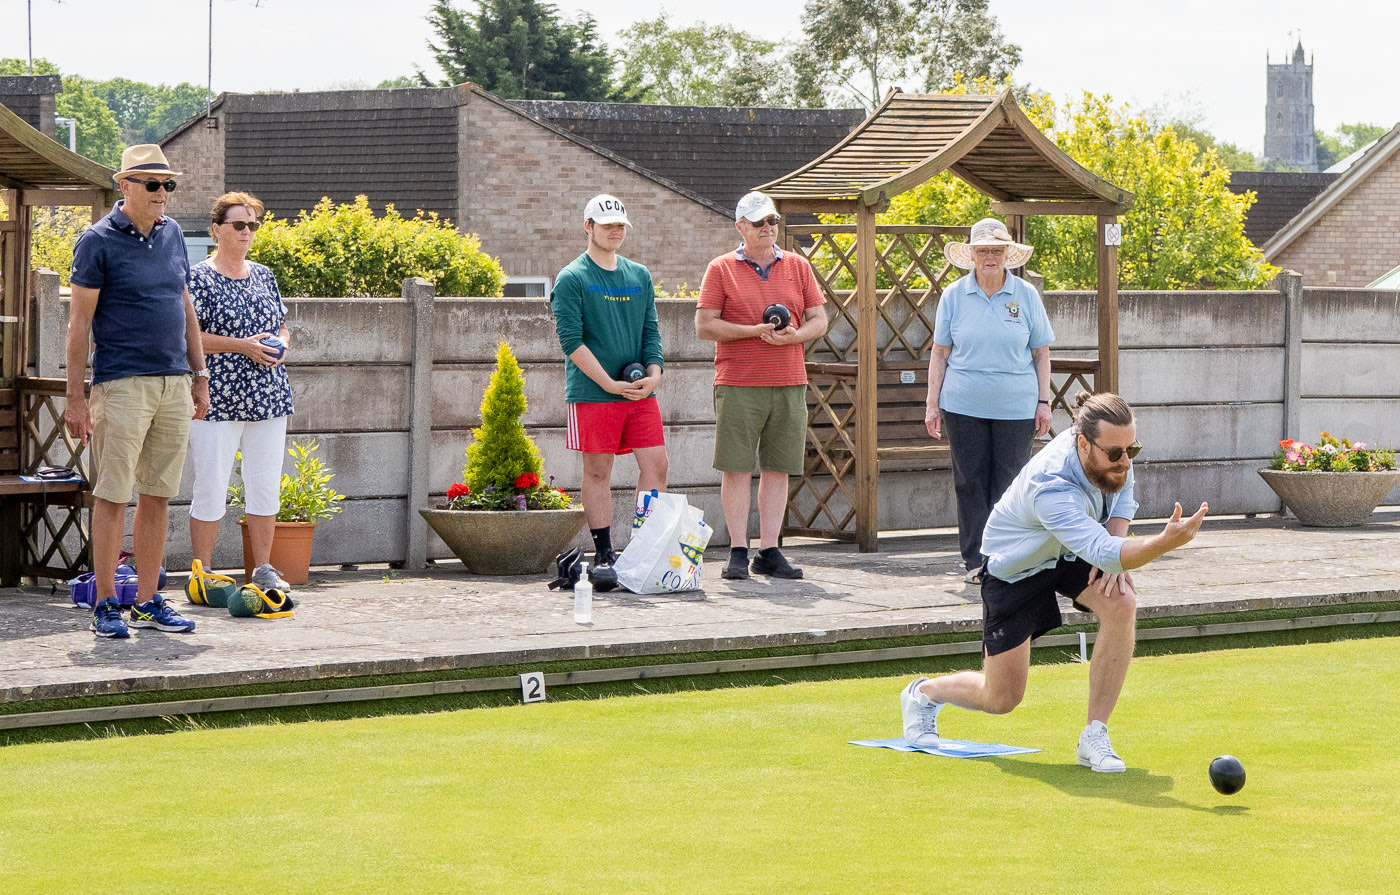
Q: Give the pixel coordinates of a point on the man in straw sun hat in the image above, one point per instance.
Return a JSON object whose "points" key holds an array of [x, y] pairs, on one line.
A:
{"points": [[148, 380], [988, 376]]}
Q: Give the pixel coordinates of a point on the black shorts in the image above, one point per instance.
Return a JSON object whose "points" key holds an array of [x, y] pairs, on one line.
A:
{"points": [[1016, 611]]}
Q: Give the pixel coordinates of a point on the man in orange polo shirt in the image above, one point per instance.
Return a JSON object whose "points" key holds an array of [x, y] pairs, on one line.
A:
{"points": [[760, 378]]}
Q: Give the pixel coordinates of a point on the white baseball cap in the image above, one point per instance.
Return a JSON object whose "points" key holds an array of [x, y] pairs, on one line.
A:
{"points": [[605, 209], [754, 206]]}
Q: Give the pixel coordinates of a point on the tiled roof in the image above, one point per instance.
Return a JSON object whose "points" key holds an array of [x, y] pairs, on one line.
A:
{"points": [[719, 153], [1281, 195]]}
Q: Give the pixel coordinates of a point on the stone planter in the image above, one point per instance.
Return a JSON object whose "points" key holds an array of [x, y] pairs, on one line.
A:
{"points": [[506, 542], [1331, 499]]}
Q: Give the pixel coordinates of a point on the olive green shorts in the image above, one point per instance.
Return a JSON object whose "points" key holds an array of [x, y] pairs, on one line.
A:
{"points": [[140, 431], [768, 420]]}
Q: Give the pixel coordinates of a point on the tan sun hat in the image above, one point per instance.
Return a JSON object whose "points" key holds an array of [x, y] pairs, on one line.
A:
{"points": [[144, 158], [987, 232]]}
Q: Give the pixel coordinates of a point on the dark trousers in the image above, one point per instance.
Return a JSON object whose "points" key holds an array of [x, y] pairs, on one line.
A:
{"points": [[987, 455]]}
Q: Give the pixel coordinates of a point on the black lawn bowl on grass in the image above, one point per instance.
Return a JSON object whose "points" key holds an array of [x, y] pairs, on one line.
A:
{"points": [[1227, 775]]}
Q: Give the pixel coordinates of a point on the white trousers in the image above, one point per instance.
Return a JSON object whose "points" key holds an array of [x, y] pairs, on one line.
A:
{"points": [[212, 448]]}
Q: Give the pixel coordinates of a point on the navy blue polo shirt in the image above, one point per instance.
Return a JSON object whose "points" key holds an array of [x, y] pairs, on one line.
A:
{"points": [[138, 328]]}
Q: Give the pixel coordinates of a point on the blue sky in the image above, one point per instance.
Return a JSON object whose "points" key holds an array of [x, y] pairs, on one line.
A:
{"points": [[1188, 54]]}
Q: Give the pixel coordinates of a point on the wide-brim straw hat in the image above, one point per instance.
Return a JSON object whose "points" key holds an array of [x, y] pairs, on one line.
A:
{"points": [[987, 232], [144, 158]]}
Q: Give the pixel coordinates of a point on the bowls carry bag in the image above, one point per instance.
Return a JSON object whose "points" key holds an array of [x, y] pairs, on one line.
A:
{"points": [[252, 601], [208, 588]]}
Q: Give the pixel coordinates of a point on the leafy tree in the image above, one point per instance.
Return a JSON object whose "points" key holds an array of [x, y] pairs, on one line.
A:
{"points": [[706, 65], [345, 250], [1346, 139], [861, 47], [399, 83], [56, 230], [522, 49], [1184, 230]]}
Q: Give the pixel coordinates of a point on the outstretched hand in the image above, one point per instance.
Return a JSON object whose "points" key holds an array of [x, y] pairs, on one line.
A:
{"points": [[1180, 531]]}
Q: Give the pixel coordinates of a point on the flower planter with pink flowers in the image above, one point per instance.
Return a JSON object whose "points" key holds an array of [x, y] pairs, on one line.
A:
{"points": [[1336, 483]]}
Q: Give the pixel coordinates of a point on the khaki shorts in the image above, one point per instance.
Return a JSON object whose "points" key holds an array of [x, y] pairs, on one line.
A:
{"points": [[140, 431], [768, 419]]}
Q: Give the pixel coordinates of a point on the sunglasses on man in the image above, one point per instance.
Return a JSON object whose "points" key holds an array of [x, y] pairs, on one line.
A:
{"points": [[241, 225], [156, 185], [772, 220], [1116, 454]]}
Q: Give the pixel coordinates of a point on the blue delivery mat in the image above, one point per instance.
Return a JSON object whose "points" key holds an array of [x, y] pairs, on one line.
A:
{"points": [[947, 748]]}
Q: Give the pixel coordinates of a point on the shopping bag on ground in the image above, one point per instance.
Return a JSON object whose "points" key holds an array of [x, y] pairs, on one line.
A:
{"points": [[666, 551]]}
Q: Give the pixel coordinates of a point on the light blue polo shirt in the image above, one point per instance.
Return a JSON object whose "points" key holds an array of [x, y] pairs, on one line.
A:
{"points": [[990, 372]]}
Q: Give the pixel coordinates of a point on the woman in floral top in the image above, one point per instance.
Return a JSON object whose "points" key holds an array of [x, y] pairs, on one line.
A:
{"points": [[239, 305]]}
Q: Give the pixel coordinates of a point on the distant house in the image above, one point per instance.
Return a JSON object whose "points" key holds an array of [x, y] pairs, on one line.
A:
{"points": [[32, 98], [1279, 196], [1349, 234], [516, 173]]}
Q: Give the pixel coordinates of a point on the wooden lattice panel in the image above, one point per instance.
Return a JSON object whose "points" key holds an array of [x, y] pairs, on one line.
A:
{"points": [[53, 532]]}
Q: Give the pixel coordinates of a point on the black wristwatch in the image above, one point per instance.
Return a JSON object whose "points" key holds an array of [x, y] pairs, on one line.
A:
{"points": [[1043, 401]]}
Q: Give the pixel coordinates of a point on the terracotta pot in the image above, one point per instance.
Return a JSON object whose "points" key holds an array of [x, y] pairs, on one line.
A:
{"points": [[1331, 499], [506, 542], [291, 550]]}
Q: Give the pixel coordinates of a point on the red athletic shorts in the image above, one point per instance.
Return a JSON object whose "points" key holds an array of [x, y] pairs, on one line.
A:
{"points": [[615, 427]]}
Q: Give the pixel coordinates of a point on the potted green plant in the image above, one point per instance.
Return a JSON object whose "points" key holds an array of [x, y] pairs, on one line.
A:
{"points": [[306, 500], [504, 517], [1335, 483]]}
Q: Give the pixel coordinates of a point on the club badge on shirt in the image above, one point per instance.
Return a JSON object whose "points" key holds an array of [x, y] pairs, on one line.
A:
{"points": [[1014, 309]]}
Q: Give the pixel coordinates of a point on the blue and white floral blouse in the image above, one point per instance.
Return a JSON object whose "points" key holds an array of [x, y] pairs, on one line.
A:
{"points": [[240, 389]]}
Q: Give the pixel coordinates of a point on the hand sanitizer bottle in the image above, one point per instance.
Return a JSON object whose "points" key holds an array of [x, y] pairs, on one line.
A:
{"points": [[583, 597]]}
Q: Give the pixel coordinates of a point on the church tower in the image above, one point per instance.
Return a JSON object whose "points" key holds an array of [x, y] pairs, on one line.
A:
{"points": [[1288, 113]]}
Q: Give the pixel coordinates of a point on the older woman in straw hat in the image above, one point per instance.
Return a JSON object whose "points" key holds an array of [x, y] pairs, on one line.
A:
{"points": [[989, 376]]}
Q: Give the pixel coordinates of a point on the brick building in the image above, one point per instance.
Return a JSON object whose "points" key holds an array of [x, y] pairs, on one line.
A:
{"points": [[1349, 235], [516, 173]]}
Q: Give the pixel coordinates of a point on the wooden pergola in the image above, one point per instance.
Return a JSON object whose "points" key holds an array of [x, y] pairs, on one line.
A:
{"points": [[35, 170], [989, 143]]}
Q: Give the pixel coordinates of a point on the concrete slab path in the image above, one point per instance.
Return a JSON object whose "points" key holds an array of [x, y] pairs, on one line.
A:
{"points": [[384, 621]]}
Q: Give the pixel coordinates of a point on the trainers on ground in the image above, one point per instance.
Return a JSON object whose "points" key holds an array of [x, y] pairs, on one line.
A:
{"points": [[1096, 752], [160, 615], [973, 576], [604, 557], [772, 562], [738, 565], [267, 578], [107, 620], [920, 715]]}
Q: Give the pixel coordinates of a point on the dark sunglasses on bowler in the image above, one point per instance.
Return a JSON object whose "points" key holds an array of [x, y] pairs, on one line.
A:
{"points": [[240, 225], [154, 185], [772, 220], [1116, 454]]}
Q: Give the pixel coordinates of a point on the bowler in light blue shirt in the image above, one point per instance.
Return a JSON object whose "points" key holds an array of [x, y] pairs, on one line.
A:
{"points": [[1060, 529]]}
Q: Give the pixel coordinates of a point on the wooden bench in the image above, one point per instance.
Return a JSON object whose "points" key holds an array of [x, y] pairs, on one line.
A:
{"points": [[21, 553]]}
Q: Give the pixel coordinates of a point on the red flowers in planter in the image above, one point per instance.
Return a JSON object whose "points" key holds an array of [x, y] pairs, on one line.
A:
{"points": [[526, 480], [456, 491]]}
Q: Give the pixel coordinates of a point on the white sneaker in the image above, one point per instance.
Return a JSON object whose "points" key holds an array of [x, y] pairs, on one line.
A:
{"points": [[920, 715], [1096, 752]]}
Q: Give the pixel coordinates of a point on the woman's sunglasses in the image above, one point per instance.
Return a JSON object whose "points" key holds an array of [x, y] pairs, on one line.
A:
{"points": [[156, 185], [240, 225], [1116, 454]]}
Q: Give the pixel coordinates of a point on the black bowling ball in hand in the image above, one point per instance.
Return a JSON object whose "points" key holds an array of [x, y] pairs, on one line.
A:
{"points": [[778, 315], [633, 372], [1227, 775]]}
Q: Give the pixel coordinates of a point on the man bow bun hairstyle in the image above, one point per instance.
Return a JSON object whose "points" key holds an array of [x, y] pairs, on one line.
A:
{"points": [[1105, 407]]}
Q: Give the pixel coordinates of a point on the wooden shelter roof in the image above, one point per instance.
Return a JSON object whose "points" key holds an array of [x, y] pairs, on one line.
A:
{"points": [[31, 161], [986, 140]]}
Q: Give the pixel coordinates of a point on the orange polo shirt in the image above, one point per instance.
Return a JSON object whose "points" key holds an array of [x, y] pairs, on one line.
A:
{"points": [[732, 287]]}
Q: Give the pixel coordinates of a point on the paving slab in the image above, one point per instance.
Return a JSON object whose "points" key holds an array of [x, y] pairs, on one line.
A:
{"points": [[381, 621]]}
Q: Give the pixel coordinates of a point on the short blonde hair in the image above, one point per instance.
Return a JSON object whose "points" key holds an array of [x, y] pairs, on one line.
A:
{"points": [[234, 200]]}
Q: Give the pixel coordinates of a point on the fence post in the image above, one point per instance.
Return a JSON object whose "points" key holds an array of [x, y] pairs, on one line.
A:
{"points": [[420, 294], [48, 328], [1289, 284]]}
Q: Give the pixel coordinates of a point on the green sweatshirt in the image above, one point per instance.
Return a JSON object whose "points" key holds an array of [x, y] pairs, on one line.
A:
{"points": [[613, 312]]}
